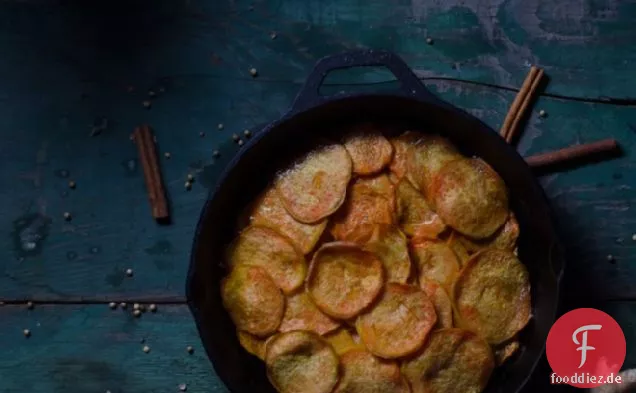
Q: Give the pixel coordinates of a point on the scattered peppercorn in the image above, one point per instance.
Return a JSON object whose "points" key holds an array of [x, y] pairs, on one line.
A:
{"points": [[190, 177], [273, 35], [220, 126], [190, 349], [129, 272], [123, 305], [183, 387], [188, 185], [217, 153], [235, 138], [253, 72], [146, 104], [247, 133], [112, 305], [542, 113], [167, 155], [137, 313], [67, 216], [27, 333], [146, 349], [153, 308], [71, 184], [240, 142], [429, 41], [30, 305]]}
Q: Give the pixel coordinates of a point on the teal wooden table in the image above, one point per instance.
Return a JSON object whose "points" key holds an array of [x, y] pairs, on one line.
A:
{"points": [[74, 76]]}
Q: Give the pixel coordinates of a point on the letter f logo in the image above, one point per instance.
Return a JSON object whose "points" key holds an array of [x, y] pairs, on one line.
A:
{"points": [[584, 347]]}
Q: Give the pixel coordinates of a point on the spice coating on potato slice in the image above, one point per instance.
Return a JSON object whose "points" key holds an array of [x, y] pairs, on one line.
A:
{"points": [[470, 197], [364, 373], [435, 260], [252, 344], [342, 341], [453, 360], [391, 246], [415, 216], [441, 301], [502, 354], [302, 314], [264, 247], [426, 157], [254, 302], [455, 243], [344, 279], [401, 146], [301, 362], [379, 184], [504, 239], [269, 211], [316, 186], [492, 295], [399, 323], [370, 151]]}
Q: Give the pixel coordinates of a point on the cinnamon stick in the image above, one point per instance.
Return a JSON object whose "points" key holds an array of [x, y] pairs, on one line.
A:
{"points": [[152, 172], [572, 153], [516, 104], [514, 127]]}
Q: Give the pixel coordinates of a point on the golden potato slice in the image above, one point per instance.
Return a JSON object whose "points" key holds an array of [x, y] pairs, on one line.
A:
{"points": [[435, 260], [399, 323], [370, 151], [253, 300], [401, 146], [504, 239], [344, 279], [470, 197], [264, 247], [426, 157], [342, 341], [269, 211], [390, 244], [252, 344], [379, 184], [455, 243], [441, 301], [364, 373], [502, 354], [453, 360], [302, 314], [301, 362], [492, 295], [316, 185], [415, 216]]}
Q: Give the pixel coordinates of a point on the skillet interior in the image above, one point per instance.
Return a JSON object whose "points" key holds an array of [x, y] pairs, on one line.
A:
{"points": [[273, 148]]}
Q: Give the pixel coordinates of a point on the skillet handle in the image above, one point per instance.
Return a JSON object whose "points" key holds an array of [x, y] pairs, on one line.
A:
{"points": [[410, 85]]}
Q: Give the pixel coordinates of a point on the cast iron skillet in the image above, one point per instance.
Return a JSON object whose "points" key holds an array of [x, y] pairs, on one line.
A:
{"points": [[314, 116]]}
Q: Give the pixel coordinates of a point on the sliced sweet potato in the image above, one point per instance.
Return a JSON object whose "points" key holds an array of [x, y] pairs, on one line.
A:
{"points": [[470, 197], [264, 247], [426, 158], [301, 362], [390, 244], [453, 360], [344, 279], [399, 323], [454, 242], [435, 260], [269, 211], [302, 314], [441, 301], [342, 341], [506, 351], [492, 295], [401, 146], [504, 239], [253, 300], [379, 184], [364, 373], [252, 344], [316, 185], [415, 216], [370, 151]]}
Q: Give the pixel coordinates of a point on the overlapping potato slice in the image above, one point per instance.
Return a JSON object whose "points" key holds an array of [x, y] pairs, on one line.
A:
{"points": [[401, 146], [505, 238], [505, 352], [470, 197], [454, 242], [426, 157], [264, 247], [344, 279], [364, 373], [415, 216], [435, 260], [390, 244], [342, 341], [316, 185], [441, 301], [301, 362], [379, 184], [252, 344], [370, 151], [269, 211], [254, 302], [302, 314], [399, 323], [453, 360], [492, 295]]}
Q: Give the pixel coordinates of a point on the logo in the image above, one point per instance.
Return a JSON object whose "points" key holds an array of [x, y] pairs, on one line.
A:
{"points": [[586, 348]]}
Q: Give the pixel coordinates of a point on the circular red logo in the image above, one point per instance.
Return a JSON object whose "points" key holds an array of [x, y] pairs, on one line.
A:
{"points": [[585, 349]]}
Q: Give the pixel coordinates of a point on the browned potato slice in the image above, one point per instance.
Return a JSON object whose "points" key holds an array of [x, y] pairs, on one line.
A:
{"points": [[452, 361], [252, 344], [302, 314], [470, 197], [379, 184], [253, 300], [455, 243], [435, 260], [492, 295], [269, 211], [426, 158], [390, 244], [502, 354], [416, 218], [342, 341], [301, 362], [504, 239], [441, 301], [399, 323], [370, 151], [264, 247], [344, 279], [401, 146], [315, 186], [364, 373]]}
